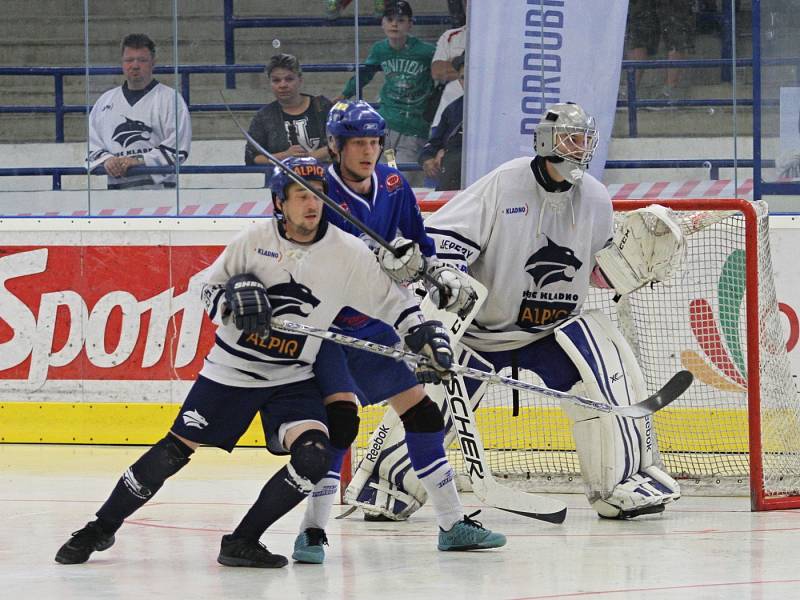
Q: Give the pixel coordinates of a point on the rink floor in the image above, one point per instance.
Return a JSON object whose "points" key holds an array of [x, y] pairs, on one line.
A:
{"points": [[710, 548]]}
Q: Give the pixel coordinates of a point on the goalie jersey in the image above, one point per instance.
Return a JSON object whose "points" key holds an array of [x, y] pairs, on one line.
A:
{"points": [[307, 284], [131, 123], [533, 249]]}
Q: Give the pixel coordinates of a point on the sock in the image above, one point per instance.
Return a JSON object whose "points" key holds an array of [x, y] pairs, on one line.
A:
{"points": [[278, 496], [426, 451], [142, 480], [320, 502]]}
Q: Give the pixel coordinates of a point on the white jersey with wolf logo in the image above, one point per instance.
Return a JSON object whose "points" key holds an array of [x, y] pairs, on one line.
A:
{"points": [[306, 284], [149, 129], [533, 249]]}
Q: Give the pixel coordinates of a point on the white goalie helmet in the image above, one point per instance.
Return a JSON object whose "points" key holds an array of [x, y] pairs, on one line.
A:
{"points": [[568, 137]]}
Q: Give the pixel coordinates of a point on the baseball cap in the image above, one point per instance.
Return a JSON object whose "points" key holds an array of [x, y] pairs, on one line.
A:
{"points": [[398, 7]]}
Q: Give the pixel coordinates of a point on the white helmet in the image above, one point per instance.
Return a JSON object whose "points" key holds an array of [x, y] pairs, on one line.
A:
{"points": [[568, 136]]}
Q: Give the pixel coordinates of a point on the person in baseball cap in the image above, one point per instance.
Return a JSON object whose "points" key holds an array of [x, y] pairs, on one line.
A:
{"points": [[398, 8]]}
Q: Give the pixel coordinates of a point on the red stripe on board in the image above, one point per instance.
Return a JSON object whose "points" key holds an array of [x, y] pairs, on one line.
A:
{"points": [[717, 187], [625, 191], [217, 209], [686, 189], [190, 209], [656, 189], [133, 212], [162, 210], [245, 208]]}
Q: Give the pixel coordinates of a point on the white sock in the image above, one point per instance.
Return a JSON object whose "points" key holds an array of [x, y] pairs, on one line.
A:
{"points": [[320, 502], [439, 481]]}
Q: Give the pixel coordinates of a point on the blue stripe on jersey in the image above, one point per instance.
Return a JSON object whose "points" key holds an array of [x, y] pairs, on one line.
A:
{"points": [[454, 235], [215, 304]]}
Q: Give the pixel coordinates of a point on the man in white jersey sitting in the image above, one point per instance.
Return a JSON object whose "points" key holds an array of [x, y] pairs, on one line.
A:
{"points": [[140, 123], [536, 232], [294, 267]]}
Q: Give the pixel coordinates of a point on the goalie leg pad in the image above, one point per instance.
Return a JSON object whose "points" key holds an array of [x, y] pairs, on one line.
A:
{"points": [[616, 455], [384, 482]]}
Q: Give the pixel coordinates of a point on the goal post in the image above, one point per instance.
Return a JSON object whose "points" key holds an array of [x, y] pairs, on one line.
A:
{"points": [[736, 431]]}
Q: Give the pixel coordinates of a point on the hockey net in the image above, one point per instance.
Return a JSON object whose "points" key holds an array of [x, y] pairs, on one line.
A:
{"points": [[737, 427]]}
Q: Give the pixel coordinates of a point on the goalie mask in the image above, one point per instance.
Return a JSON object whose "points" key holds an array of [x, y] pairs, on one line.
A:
{"points": [[567, 137]]}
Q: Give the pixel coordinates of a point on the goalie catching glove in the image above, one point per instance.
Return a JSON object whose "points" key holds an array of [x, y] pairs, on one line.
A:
{"points": [[248, 304], [648, 247], [407, 266], [431, 341]]}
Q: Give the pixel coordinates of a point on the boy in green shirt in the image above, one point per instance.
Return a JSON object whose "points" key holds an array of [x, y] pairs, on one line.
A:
{"points": [[406, 64]]}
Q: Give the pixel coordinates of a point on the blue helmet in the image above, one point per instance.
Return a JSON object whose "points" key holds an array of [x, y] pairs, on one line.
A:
{"points": [[353, 119], [307, 167]]}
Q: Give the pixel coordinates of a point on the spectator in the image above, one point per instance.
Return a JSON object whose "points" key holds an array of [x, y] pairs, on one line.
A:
{"points": [[653, 21], [451, 43], [136, 123], [440, 159], [334, 8], [458, 14], [406, 64], [294, 124]]}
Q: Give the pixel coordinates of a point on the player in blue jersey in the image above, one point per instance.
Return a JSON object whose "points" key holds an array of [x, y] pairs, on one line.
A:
{"points": [[380, 197]]}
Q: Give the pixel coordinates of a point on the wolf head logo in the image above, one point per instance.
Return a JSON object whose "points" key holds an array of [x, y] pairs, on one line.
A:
{"points": [[131, 131], [552, 263], [291, 298]]}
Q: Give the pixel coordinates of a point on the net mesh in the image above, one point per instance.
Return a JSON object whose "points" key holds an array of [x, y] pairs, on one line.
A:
{"points": [[697, 320]]}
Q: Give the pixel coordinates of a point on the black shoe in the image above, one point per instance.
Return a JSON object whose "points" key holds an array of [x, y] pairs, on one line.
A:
{"points": [[82, 543], [241, 552]]}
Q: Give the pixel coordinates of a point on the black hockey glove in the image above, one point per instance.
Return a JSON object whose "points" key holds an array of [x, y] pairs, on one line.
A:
{"points": [[430, 339], [248, 303]]}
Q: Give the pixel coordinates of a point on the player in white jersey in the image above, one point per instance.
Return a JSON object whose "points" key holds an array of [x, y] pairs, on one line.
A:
{"points": [[534, 232], [136, 124], [294, 267]]}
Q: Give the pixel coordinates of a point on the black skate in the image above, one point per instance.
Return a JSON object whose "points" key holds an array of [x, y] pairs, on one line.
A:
{"points": [[241, 552], [82, 543]]}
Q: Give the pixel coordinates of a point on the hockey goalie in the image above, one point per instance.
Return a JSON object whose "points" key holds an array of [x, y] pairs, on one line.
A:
{"points": [[537, 232]]}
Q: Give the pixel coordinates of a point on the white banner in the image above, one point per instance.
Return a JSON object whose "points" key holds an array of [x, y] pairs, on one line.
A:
{"points": [[527, 54]]}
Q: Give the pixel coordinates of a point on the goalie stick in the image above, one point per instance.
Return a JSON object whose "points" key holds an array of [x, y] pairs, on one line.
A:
{"points": [[671, 390], [330, 202], [485, 487]]}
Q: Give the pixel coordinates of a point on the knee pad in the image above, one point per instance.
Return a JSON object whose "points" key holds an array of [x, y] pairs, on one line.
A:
{"points": [[424, 417], [165, 458], [343, 421], [311, 456]]}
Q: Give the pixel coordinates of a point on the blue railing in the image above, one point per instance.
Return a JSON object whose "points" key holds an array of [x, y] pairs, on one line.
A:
{"points": [[632, 102], [713, 166]]}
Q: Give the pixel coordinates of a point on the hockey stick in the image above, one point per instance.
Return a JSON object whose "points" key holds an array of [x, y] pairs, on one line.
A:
{"points": [[676, 386], [328, 201]]}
